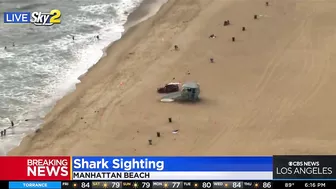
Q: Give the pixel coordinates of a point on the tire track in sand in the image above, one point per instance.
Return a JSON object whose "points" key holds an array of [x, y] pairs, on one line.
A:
{"points": [[321, 76], [315, 71], [274, 64], [265, 78], [287, 104]]}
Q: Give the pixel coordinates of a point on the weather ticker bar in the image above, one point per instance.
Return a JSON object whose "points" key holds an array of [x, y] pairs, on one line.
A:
{"points": [[196, 184], [168, 184]]}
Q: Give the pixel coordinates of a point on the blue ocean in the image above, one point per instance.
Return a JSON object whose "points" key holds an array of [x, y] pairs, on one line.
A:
{"points": [[42, 63]]}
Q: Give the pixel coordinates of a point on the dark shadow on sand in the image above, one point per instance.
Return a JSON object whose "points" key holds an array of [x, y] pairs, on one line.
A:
{"points": [[200, 101]]}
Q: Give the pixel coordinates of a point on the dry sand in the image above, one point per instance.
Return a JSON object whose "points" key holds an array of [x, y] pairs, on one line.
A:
{"points": [[270, 92]]}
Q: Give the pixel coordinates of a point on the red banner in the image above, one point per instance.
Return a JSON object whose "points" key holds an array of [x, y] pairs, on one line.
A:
{"points": [[35, 168]]}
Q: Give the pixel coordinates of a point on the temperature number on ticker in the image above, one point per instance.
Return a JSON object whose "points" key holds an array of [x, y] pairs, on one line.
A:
{"points": [[206, 185], [267, 185]]}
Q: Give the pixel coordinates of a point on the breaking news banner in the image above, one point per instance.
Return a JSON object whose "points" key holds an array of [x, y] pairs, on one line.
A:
{"points": [[56, 172], [172, 168], [35, 168]]}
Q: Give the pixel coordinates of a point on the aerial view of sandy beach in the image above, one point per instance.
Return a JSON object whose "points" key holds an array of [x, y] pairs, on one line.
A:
{"points": [[263, 69]]}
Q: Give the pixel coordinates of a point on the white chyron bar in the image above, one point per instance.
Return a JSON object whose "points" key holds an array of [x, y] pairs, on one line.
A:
{"points": [[107, 175]]}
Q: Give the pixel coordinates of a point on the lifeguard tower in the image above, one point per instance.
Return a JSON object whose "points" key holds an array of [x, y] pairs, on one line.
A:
{"points": [[190, 92]]}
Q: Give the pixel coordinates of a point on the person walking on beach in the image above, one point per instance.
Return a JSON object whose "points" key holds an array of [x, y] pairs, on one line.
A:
{"points": [[73, 37], [97, 37]]}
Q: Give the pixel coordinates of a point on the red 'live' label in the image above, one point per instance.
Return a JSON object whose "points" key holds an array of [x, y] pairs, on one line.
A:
{"points": [[35, 168]]}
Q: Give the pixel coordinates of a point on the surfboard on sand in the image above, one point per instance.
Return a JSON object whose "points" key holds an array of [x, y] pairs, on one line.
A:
{"points": [[167, 100], [171, 97]]}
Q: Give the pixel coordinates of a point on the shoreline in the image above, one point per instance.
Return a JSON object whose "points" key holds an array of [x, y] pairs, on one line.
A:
{"points": [[264, 89], [113, 55], [141, 13]]}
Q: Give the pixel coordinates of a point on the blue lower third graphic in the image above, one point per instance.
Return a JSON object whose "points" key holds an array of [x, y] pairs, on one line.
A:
{"points": [[157, 164], [17, 17], [31, 185]]}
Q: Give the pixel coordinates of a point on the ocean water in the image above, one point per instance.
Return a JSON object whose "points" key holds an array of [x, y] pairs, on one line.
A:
{"points": [[45, 62]]}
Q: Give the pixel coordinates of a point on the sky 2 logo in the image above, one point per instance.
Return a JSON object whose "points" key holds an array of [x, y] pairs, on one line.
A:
{"points": [[46, 19]]}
